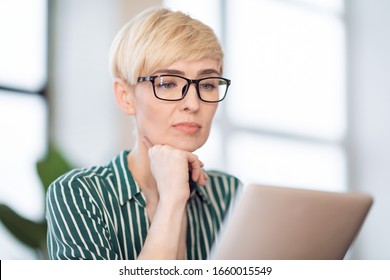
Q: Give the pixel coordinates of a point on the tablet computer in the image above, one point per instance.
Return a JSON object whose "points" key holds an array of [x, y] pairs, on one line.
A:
{"points": [[269, 222]]}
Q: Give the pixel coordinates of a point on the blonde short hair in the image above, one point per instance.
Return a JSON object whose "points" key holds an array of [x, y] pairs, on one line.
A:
{"points": [[158, 37]]}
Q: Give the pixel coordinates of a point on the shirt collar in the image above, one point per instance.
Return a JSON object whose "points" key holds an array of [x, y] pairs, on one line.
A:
{"points": [[128, 188], [200, 191]]}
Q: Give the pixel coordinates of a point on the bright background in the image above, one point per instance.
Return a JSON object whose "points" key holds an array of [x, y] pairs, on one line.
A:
{"points": [[308, 105]]}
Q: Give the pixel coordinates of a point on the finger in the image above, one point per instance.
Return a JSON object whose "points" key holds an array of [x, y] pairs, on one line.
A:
{"points": [[194, 164], [197, 173], [202, 178], [147, 142], [203, 174]]}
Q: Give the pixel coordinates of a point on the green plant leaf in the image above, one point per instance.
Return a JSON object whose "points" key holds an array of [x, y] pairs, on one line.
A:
{"points": [[52, 166], [31, 233], [28, 232]]}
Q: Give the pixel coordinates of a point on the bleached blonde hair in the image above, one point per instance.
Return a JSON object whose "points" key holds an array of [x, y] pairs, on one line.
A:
{"points": [[158, 37]]}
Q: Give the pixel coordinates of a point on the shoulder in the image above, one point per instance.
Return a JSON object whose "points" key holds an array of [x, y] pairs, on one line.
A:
{"points": [[79, 182], [223, 179], [82, 175], [222, 185]]}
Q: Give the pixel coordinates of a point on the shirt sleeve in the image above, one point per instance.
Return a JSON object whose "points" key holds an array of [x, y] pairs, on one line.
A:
{"points": [[76, 226]]}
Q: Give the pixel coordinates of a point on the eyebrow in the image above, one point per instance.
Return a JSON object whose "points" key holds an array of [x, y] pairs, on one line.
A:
{"points": [[169, 71], [178, 72], [208, 71]]}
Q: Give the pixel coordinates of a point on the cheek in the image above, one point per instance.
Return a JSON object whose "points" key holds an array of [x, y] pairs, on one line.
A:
{"points": [[211, 112], [143, 113], [208, 119], [152, 118], [147, 120]]}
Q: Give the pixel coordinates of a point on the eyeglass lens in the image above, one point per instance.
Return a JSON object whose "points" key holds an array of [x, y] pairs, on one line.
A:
{"points": [[174, 88]]}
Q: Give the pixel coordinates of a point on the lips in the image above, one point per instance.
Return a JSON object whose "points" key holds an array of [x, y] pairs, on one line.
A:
{"points": [[187, 127]]}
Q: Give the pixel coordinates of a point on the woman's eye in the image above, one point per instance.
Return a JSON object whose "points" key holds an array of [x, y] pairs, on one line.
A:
{"points": [[166, 85], [207, 86]]}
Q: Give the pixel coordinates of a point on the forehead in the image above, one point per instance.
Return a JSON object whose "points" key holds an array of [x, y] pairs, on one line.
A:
{"points": [[185, 66]]}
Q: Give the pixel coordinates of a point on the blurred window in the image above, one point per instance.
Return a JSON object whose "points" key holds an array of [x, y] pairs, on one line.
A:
{"points": [[23, 113], [284, 119]]}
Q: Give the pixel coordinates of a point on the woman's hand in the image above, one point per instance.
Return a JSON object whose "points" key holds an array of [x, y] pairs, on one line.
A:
{"points": [[171, 168]]}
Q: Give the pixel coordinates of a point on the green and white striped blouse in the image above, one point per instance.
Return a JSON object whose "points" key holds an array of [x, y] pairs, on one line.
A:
{"points": [[99, 213]]}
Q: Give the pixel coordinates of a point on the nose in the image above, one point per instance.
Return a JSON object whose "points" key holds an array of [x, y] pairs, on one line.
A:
{"points": [[191, 101]]}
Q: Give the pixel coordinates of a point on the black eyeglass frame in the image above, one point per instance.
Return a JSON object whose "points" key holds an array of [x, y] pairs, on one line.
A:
{"points": [[189, 82]]}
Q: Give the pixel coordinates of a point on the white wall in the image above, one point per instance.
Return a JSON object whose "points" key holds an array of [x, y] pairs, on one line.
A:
{"points": [[369, 104]]}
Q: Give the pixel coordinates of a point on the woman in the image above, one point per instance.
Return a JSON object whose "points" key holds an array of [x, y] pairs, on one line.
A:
{"points": [[155, 201]]}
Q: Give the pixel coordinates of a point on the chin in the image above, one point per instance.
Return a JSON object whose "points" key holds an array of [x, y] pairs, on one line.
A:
{"points": [[187, 146]]}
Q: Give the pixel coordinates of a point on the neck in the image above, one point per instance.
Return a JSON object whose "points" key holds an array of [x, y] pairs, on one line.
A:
{"points": [[139, 165]]}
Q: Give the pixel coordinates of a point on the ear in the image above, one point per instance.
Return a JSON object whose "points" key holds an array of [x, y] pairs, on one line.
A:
{"points": [[124, 96]]}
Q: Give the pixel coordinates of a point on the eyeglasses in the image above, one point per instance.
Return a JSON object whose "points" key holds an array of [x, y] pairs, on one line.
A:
{"points": [[174, 88]]}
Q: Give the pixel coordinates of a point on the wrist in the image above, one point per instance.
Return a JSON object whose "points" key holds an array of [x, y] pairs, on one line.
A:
{"points": [[172, 202], [176, 195]]}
